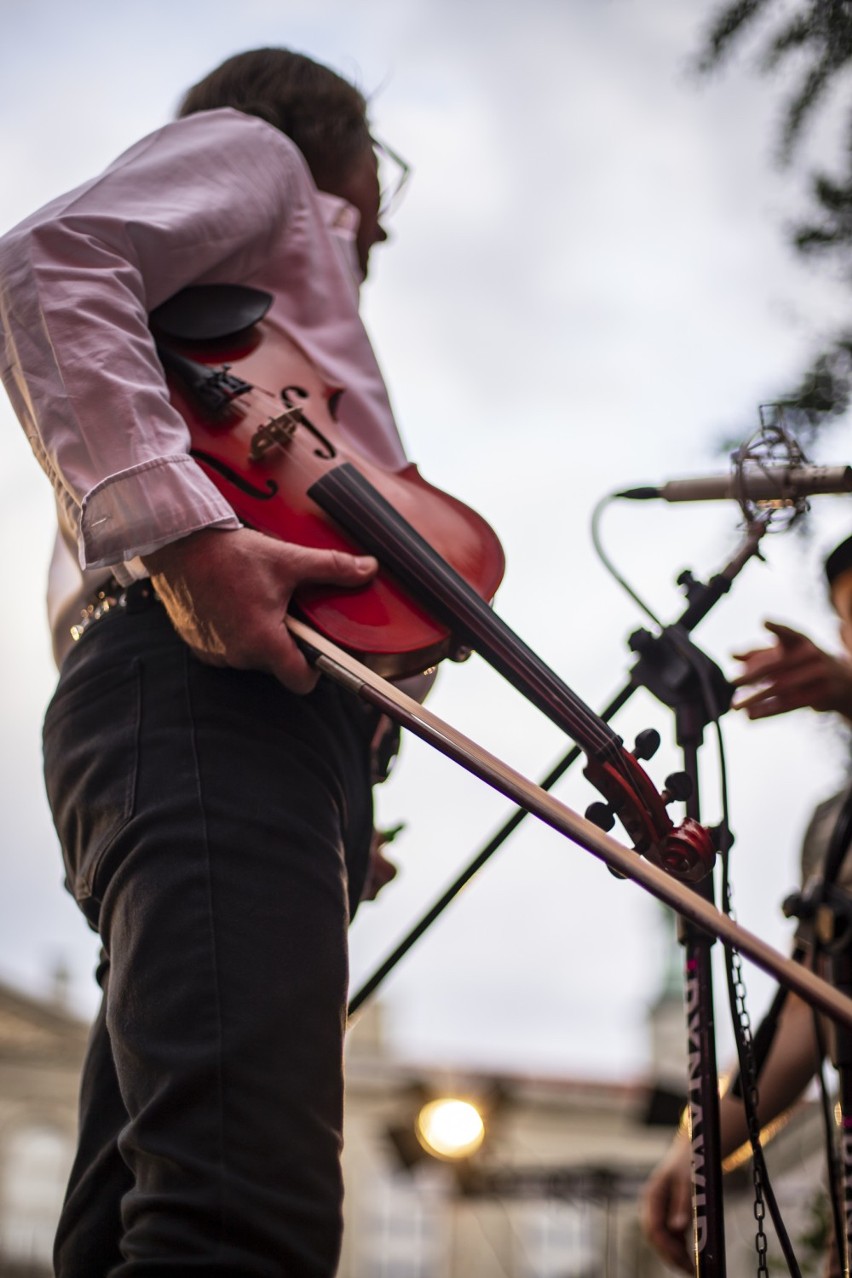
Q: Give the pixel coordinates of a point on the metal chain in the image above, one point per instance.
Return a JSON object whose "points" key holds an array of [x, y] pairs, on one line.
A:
{"points": [[749, 1083]]}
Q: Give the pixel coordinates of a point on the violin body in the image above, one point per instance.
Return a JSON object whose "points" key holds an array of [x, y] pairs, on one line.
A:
{"points": [[266, 446], [264, 428]]}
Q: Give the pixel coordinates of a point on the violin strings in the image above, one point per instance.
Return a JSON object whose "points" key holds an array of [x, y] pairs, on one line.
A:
{"points": [[360, 507]]}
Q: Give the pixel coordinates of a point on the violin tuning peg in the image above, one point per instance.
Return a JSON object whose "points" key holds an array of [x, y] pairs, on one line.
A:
{"points": [[600, 815], [647, 744], [678, 787]]}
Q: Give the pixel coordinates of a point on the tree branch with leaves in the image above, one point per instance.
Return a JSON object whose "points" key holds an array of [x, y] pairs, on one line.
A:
{"points": [[819, 34]]}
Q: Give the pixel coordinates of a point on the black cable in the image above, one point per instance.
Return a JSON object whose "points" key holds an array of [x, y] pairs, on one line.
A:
{"points": [[829, 1126], [608, 564], [765, 1036], [746, 1057]]}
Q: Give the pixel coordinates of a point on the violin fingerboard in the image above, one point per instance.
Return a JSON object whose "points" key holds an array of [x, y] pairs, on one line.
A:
{"points": [[349, 498]]}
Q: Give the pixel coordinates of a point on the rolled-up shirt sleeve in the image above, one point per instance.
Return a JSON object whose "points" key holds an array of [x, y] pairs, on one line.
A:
{"points": [[199, 201]]}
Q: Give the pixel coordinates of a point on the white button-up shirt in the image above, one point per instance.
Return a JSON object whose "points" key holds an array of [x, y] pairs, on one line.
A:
{"points": [[219, 197]]}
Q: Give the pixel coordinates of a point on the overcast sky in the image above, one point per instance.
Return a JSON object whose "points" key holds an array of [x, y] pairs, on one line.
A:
{"points": [[588, 286]]}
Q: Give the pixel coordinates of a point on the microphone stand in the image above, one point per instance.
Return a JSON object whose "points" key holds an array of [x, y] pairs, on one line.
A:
{"points": [[685, 680], [718, 586]]}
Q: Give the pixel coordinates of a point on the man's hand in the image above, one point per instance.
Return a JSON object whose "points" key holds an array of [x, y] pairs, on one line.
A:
{"points": [[792, 673], [227, 594], [666, 1206]]}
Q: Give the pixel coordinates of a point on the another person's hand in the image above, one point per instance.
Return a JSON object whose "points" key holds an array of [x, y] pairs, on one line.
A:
{"points": [[666, 1206], [792, 673], [227, 594]]}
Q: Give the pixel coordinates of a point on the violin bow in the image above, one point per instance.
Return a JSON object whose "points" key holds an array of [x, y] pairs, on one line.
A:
{"points": [[372, 688]]}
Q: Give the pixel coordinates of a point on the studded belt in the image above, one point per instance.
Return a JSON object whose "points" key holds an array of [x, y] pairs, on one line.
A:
{"points": [[136, 597]]}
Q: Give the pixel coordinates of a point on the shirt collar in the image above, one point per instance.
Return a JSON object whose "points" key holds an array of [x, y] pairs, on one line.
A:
{"points": [[342, 218]]}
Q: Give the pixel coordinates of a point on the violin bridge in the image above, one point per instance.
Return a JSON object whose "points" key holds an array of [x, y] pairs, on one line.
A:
{"points": [[276, 433]]}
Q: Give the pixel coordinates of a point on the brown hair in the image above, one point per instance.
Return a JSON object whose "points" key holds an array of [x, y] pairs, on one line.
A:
{"points": [[324, 114], [839, 561]]}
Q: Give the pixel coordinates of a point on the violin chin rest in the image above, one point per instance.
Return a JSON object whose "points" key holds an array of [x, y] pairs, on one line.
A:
{"points": [[210, 312]]}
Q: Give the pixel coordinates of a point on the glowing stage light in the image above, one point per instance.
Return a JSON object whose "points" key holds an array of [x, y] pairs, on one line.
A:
{"points": [[450, 1128]]}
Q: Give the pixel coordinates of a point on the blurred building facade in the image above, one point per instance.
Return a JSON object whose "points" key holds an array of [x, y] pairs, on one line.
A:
{"points": [[41, 1051], [551, 1193]]}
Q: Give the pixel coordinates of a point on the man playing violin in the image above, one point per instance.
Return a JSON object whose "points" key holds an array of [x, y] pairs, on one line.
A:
{"points": [[212, 799], [790, 674]]}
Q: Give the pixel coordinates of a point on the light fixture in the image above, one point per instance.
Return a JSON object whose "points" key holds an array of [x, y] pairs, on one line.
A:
{"points": [[450, 1128]]}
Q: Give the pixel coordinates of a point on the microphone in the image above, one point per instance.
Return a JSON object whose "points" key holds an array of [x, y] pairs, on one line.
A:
{"points": [[782, 485]]}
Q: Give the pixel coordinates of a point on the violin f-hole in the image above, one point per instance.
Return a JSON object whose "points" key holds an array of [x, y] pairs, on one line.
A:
{"points": [[326, 450]]}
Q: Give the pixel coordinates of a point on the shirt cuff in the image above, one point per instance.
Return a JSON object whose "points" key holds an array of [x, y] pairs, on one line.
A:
{"points": [[137, 511]]}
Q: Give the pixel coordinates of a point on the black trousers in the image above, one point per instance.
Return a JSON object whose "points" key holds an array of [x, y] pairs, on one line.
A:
{"points": [[215, 830]]}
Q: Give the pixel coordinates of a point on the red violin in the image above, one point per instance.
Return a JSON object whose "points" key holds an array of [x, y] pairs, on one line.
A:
{"points": [[263, 428]]}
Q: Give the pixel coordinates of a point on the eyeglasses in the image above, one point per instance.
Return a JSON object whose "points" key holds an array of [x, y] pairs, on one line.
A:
{"points": [[394, 173]]}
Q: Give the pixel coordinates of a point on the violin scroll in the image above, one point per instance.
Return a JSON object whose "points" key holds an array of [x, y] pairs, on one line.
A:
{"points": [[685, 851]]}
